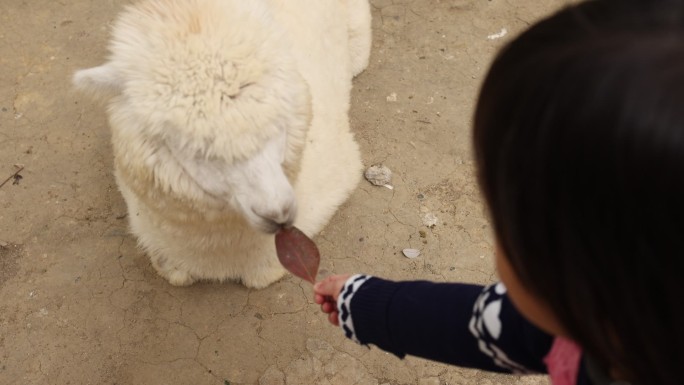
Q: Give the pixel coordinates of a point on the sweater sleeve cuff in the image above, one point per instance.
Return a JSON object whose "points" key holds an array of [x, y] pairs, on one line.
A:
{"points": [[350, 288], [367, 318]]}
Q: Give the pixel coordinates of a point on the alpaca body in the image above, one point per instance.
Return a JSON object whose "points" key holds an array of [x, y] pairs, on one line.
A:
{"points": [[229, 119]]}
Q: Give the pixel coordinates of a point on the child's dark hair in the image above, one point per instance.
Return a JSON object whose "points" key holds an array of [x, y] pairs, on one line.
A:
{"points": [[579, 140]]}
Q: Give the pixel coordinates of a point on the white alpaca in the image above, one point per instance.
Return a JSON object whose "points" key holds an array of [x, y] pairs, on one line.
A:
{"points": [[229, 120]]}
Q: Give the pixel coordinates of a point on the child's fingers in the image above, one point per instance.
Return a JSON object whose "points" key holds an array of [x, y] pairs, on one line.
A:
{"points": [[331, 286], [326, 293], [325, 287], [328, 307], [333, 318]]}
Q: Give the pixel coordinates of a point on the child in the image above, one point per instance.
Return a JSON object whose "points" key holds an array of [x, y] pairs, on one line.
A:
{"points": [[579, 143]]}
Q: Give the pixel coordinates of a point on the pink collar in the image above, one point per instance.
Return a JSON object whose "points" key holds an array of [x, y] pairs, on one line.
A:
{"points": [[563, 361]]}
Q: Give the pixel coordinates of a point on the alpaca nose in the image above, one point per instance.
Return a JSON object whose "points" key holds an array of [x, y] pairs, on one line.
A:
{"points": [[283, 216]]}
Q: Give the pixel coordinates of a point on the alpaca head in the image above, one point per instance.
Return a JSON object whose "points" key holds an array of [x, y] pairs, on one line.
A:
{"points": [[206, 107]]}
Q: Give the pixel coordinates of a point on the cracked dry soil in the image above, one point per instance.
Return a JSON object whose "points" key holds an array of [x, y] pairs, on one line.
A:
{"points": [[80, 304]]}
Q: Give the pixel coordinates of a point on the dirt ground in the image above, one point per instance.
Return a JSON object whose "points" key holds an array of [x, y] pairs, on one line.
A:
{"points": [[81, 304]]}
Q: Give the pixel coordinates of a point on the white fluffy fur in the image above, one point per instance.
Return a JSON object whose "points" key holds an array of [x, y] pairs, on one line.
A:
{"points": [[229, 119]]}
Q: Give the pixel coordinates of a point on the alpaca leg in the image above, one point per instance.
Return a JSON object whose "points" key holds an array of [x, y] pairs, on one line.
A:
{"points": [[359, 24], [263, 274], [171, 272]]}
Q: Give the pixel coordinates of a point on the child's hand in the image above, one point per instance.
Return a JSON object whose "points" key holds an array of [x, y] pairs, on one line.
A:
{"points": [[326, 293]]}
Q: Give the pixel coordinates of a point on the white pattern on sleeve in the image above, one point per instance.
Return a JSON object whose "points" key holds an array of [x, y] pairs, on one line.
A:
{"points": [[486, 327], [344, 301]]}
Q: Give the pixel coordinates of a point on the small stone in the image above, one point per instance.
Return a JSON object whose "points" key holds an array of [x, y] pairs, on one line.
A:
{"points": [[378, 175], [422, 233], [498, 35], [429, 219], [411, 253]]}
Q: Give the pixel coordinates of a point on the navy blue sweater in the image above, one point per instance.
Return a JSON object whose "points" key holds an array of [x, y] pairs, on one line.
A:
{"points": [[460, 324]]}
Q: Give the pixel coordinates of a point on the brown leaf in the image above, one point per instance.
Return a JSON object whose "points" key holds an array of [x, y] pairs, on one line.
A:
{"points": [[297, 253]]}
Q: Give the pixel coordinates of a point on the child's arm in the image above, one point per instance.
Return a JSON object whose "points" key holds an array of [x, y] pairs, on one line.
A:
{"points": [[460, 324]]}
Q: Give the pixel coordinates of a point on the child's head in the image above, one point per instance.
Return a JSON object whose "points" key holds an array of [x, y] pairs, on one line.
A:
{"points": [[579, 139]]}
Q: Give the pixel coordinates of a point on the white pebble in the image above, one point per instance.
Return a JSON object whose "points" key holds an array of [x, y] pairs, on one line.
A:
{"points": [[411, 253], [499, 35], [429, 220], [379, 175]]}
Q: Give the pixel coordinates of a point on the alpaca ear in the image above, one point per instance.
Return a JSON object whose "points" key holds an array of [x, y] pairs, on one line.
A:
{"points": [[101, 82]]}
